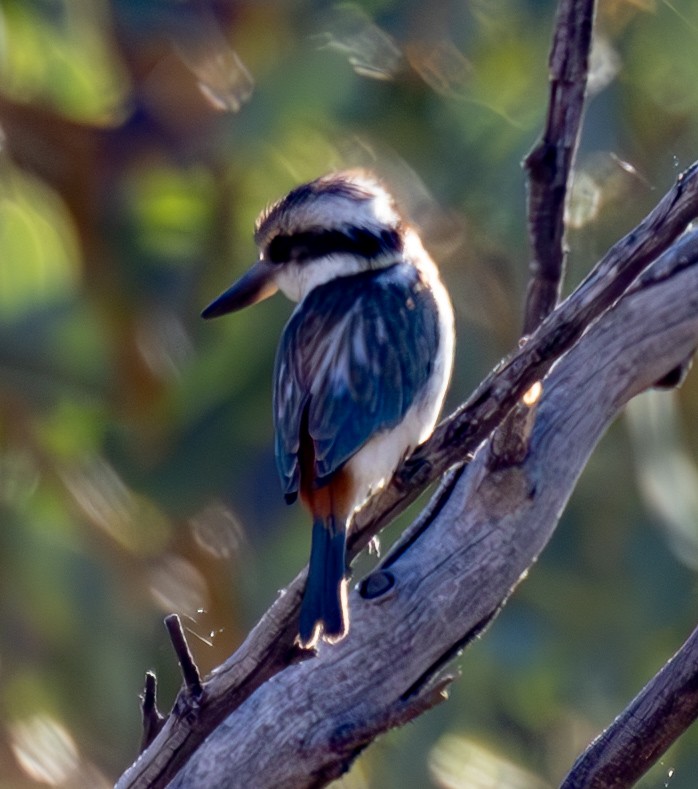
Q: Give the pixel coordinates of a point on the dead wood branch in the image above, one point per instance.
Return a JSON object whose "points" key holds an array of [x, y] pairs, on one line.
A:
{"points": [[306, 724]]}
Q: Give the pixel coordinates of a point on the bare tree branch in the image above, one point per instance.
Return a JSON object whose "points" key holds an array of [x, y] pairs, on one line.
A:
{"points": [[550, 163], [306, 725], [190, 671], [270, 646], [549, 168], [636, 739], [152, 719]]}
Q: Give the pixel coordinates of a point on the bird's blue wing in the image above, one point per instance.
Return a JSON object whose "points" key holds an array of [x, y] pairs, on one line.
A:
{"points": [[353, 358]]}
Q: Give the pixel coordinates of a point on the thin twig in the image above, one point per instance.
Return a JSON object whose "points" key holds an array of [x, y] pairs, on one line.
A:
{"points": [[549, 165], [549, 168], [153, 720], [190, 671]]}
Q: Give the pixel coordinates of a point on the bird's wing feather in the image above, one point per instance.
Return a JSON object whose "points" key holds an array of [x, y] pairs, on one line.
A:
{"points": [[352, 360]]}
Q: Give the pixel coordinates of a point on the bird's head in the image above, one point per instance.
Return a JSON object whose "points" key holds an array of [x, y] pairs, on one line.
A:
{"points": [[335, 226]]}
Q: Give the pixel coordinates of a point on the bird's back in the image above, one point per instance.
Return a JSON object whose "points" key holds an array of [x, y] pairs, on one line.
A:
{"points": [[356, 358]]}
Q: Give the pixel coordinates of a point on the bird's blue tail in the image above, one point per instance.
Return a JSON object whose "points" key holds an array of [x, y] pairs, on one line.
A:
{"points": [[323, 610]]}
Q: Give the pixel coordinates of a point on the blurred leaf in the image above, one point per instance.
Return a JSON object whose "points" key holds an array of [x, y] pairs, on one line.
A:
{"points": [[171, 209], [60, 53], [667, 475], [39, 258], [459, 763]]}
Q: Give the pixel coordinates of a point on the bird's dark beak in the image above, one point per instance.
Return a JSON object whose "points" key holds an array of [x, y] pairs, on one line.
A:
{"points": [[257, 284]]}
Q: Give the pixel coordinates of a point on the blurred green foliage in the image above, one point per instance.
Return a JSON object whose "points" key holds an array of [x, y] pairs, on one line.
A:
{"points": [[140, 140]]}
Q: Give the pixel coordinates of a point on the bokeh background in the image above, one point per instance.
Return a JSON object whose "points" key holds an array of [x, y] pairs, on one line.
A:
{"points": [[140, 138]]}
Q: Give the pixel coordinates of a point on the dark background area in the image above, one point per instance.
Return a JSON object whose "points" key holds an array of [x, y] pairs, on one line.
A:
{"points": [[140, 141]]}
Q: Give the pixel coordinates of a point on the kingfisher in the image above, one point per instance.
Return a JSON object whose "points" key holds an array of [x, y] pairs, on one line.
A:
{"points": [[362, 366]]}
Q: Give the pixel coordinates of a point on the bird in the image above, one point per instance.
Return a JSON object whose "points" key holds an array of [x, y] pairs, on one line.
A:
{"points": [[362, 366]]}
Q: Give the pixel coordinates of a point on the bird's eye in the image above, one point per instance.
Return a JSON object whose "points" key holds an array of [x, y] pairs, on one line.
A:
{"points": [[280, 249], [292, 248]]}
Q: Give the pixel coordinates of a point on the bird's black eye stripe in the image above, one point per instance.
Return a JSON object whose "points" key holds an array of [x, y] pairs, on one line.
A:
{"points": [[312, 244]]}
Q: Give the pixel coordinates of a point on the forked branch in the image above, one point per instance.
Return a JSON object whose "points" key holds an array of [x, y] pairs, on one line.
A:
{"points": [[270, 646], [446, 582]]}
